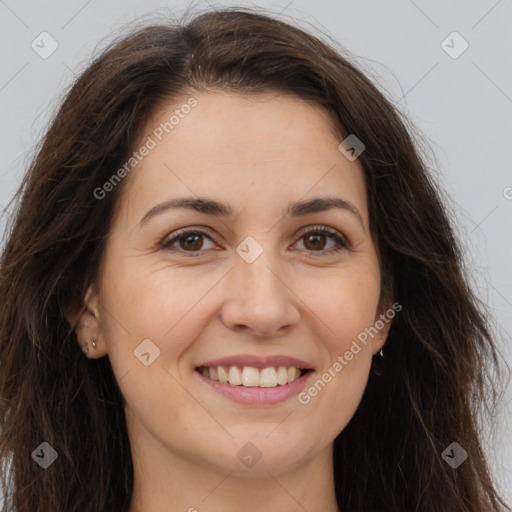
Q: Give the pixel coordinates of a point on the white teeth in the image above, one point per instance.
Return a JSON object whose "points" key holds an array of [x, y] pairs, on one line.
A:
{"points": [[282, 375], [249, 376], [268, 378], [223, 375], [235, 376]]}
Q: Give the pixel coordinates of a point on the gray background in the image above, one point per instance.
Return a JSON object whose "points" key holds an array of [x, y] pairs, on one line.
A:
{"points": [[463, 107]]}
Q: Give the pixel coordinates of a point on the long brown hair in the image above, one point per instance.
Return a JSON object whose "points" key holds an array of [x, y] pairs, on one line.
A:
{"points": [[440, 351]]}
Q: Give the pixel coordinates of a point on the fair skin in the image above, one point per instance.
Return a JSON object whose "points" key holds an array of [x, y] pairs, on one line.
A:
{"points": [[201, 300]]}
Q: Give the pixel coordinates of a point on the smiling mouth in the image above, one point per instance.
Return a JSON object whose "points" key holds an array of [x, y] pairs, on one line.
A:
{"points": [[248, 376]]}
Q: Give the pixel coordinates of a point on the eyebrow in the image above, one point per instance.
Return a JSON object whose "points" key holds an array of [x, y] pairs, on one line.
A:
{"points": [[218, 209]]}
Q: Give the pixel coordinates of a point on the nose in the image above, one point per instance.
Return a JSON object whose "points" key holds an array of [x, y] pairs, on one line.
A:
{"points": [[259, 300]]}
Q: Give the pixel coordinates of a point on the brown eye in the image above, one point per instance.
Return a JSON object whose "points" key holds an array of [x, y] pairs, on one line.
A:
{"points": [[315, 240], [187, 241], [191, 242]]}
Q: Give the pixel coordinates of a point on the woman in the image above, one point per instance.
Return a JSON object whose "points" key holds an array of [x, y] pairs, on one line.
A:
{"points": [[231, 284]]}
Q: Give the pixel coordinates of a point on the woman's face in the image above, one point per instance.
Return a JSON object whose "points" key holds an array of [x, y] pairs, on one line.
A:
{"points": [[248, 289]]}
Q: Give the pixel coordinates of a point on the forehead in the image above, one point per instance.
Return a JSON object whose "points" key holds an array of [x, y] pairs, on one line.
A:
{"points": [[263, 150]]}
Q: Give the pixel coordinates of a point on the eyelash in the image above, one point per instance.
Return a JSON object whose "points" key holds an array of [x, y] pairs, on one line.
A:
{"points": [[343, 244]]}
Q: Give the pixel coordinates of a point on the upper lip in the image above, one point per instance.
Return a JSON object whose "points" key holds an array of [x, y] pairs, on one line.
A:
{"points": [[258, 361]]}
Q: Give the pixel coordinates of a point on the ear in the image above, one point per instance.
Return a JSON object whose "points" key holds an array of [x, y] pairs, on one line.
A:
{"points": [[383, 319], [84, 319]]}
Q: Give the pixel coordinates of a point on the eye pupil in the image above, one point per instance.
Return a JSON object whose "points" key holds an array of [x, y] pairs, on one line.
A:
{"points": [[189, 237], [315, 237]]}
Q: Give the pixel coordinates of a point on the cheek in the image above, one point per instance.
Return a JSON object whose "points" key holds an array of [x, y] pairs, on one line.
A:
{"points": [[343, 395], [149, 307], [162, 305], [344, 307], [335, 394], [344, 304]]}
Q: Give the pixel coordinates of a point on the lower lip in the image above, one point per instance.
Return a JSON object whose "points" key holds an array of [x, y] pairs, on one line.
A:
{"points": [[257, 396]]}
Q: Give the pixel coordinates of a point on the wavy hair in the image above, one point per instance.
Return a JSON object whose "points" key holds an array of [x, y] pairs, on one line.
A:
{"points": [[440, 352]]}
